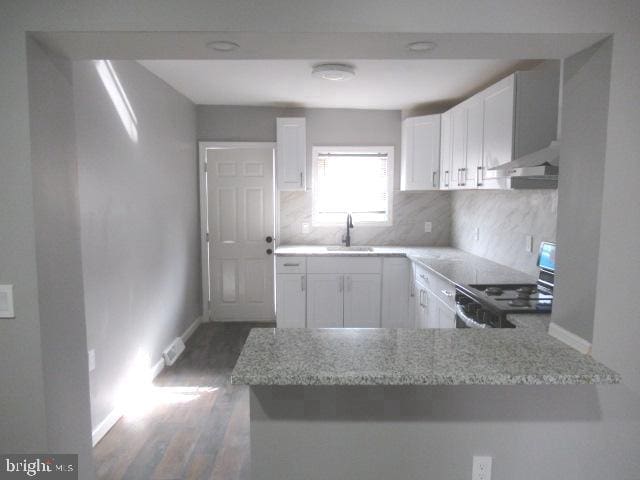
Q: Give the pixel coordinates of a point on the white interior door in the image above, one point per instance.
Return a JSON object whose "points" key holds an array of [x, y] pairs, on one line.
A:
{"points": [[240, 188]]}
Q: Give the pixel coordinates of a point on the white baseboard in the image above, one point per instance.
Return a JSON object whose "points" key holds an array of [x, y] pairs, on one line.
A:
{"points": [[571, 339], [112, 418], [190, 329], [105, 425]]}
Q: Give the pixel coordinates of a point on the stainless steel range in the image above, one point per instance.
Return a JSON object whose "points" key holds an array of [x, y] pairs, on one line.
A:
{"points": [[487, 306]]}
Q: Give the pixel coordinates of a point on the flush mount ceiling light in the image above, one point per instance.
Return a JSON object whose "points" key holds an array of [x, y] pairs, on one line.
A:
{"points": [[223, 45], [336, 72], [421, 46]]}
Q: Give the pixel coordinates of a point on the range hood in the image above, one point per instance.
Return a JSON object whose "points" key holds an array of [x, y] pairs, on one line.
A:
{"points": [[538, 169]]}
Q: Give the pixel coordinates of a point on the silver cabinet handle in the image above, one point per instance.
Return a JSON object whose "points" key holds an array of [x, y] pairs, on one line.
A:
{"points": [[463, 172], [341, 285], [447, 293], [423, 303], [303, 281], [291, 265], [301, 179], [348, 283], [446, 178], [433, 179], [480, 176]]}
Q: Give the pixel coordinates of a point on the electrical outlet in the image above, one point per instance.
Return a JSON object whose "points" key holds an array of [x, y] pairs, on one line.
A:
{"points": [[305, 228], [92, 360], [477, 234], [528, 243], [427, 227], [481, 468]]}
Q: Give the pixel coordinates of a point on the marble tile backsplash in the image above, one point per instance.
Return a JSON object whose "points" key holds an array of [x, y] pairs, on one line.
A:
{"points": [[504, 218], [410, 211]]}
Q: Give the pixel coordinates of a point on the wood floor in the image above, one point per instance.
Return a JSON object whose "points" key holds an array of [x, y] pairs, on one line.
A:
{"points": [[193, 424]]}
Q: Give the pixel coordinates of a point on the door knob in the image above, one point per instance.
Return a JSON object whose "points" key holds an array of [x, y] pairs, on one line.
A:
{"points": [[269, 251], [269, 239]]}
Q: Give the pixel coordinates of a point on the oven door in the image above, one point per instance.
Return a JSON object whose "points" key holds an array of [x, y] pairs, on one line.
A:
{"points": [[463, 320]]}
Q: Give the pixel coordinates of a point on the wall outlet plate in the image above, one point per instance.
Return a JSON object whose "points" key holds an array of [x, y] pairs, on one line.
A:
{"points": [[305, 228], [427, 227], [528, 243], [481, 468], [476, 233], [6, 301]]}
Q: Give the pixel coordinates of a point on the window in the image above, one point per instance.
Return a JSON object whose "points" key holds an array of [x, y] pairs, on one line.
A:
{"points": [[356, 180]]}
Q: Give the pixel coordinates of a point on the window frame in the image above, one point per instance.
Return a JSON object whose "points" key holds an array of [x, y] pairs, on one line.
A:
{"points": [[389, 150]]}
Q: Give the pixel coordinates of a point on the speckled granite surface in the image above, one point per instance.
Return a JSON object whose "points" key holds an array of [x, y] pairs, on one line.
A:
{"points": [[454, 265], [519, 356]]}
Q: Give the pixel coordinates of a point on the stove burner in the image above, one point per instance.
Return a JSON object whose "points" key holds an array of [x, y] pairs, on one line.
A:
{"points": [[493, 291], [525, 290], [519, 302]]}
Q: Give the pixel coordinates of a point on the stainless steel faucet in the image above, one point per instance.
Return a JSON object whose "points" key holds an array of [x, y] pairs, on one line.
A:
{"points": [[346, 238]]}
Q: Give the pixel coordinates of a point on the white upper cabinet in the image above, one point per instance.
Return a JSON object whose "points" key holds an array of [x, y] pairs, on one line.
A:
{"points": [[291, 154], [420, 153], [514, 117], [498, 103], [446, 137]]}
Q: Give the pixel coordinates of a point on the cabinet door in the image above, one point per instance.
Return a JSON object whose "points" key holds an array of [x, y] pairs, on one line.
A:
{"points": [[291, 153], [325, 293], [445, 150], [498, 104], [458, 145], [475, 132], [433, 312], [396, 293], [362, 300], [291, 301], [421, 304], [445, 317], [420, 153]]}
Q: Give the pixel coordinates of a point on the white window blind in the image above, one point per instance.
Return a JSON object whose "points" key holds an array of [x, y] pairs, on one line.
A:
{"points": [[357, 181]]}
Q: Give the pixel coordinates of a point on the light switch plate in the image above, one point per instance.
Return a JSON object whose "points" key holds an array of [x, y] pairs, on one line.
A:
{"points": [[427, 227], [92, 360], [305, 228], [477, 233], [6, 301]]}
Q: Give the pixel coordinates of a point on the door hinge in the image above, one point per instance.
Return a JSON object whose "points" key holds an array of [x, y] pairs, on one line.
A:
{"points": [[206, 236]]}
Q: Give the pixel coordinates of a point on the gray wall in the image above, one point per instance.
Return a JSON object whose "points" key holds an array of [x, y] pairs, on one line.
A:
{"points": [[616, 329], [60, 300], [504, 218], [341, 127], [540, 432], [140, 225], [582, 154]]}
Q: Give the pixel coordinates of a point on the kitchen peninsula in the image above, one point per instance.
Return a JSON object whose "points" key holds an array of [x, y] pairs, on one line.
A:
{"points": [[395, 387]]}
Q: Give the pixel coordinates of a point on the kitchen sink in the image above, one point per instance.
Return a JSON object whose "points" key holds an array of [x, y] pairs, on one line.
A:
{"points": [[342, 248]]}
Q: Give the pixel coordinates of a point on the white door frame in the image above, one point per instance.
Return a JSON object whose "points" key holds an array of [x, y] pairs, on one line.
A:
{"points": [[204, 211]]}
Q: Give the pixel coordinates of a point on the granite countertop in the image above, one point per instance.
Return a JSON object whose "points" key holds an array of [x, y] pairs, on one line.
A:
{"points": [[516, 356], [455, 266]]}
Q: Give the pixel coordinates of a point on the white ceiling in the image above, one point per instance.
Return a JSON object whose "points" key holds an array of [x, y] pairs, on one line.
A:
{"points": [[379, 84]]}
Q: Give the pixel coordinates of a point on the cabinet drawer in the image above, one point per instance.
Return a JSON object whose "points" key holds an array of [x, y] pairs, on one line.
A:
{"points": [[291, 265], [344, 265], [441, 288]]}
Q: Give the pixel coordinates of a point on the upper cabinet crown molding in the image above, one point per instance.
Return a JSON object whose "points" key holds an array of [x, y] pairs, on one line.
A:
{"points": [[291, 153], [420, 164]]}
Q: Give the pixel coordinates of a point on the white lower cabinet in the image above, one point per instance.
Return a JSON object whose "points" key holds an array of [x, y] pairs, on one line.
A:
{"points": [[362, 300], [325, 299], [434, 304], [397, 295], [291, 300], [321, 292]]}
